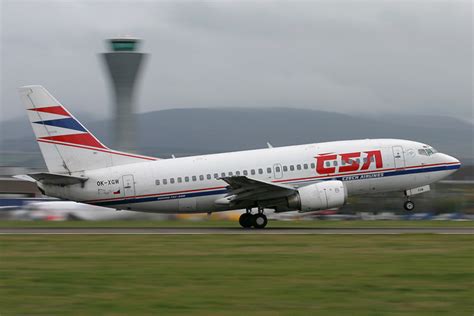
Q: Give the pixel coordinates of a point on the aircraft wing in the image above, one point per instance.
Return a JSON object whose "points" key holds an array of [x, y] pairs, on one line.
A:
{"points": [[246, 192]]}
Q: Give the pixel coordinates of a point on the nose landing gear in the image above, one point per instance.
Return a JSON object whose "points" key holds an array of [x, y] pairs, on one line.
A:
{"points": [[258, 220], [409, 205]]}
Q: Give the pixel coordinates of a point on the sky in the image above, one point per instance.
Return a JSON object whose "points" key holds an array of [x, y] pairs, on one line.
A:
{"points": [[371, 57]]}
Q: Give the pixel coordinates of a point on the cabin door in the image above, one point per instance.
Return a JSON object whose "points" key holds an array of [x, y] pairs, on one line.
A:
{"points": [[128, 186], [398, 156]]}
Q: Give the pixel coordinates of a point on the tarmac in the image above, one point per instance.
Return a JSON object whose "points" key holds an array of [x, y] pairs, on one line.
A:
{"points": [[231, 231]]}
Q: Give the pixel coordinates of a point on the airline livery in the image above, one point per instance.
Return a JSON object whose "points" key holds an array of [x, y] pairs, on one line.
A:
{"points": [[300, 178]]}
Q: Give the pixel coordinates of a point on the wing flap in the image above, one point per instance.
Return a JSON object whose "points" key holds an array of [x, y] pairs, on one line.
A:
{"points": [[244, 190]]}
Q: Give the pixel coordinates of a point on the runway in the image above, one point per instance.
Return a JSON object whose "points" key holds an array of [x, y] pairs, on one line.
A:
{"points": [[231, 231]]}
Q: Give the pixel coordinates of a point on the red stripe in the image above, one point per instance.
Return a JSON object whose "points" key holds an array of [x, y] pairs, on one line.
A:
{"points": [[97, 149], [80, 139], [288, 180], [52, 109]]}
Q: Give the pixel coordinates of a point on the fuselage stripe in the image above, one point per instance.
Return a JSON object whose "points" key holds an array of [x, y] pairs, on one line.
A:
{"points": [[222, 189]]}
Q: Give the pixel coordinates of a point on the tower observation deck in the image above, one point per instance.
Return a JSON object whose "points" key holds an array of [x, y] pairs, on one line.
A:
{"points": [[123, 63]]}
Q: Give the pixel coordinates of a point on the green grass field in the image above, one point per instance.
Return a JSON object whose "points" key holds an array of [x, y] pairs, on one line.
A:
{"points": [[237, 275]]}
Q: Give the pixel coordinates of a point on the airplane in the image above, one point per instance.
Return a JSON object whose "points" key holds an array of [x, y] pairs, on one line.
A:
{"points": [[303, 178]]}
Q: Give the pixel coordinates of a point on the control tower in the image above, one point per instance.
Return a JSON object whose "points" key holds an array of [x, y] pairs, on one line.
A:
{"points": [[123, 63]]}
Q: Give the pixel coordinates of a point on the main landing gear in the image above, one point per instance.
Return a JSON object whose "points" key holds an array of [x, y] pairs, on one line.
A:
{"points": [[248, 220]]}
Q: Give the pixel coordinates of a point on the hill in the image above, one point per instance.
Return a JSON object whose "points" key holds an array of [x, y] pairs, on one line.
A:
{"points": [[199, 131]]}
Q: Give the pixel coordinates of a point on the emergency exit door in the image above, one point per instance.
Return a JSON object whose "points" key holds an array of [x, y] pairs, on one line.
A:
{"points": [[128, 186], [278, 171], [398, 156]]}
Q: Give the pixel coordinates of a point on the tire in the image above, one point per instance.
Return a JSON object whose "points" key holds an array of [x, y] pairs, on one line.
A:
{"points": [[409, 205], [259, 221], [245, 220]]}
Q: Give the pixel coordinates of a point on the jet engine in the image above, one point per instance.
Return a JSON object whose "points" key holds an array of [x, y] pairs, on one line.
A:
{"points": [[319, 196]]}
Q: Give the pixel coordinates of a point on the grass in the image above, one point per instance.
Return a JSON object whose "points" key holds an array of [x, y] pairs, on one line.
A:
{"points": [[237, 275], [227, 223]]}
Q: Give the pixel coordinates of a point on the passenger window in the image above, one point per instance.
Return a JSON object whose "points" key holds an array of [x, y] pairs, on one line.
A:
{"points": [[285, 168], [230, 174], [260, 171], [209, 177], [237, 173], [305, 166], [298, 167], [252, 172], [245, 172], [335, 163], [328, 164], [222, 174], [194, 178], [157, 182], [201, 177], [180, 180], [292, 168], [165, 181], [186, 179], [216, 175], [171, 180], [269, 170], [313, 165], [278, 169]]}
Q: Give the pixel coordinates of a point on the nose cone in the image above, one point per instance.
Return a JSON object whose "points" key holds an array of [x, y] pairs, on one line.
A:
{"points": [[452, 160], [452, 164]]}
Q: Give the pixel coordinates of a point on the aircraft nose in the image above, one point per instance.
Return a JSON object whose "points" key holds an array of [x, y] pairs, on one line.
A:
{"points": [[451, 160]]}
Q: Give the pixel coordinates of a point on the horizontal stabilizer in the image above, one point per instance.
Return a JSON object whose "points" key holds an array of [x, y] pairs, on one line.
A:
{"points": [[57, 179]]}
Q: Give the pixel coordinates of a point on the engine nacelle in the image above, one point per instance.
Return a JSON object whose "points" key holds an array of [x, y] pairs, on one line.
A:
{"points": [[319, 196]]}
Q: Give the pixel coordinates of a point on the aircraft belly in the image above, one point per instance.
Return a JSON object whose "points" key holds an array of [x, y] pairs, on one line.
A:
{"points": [[169, 206], [203, 204]]}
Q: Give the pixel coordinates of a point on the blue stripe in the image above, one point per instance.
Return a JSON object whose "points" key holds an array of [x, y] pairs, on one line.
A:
{"points": [[69, 123], [373, 175], [162, 198]]}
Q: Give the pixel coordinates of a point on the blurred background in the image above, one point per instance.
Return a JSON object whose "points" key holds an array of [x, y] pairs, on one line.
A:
{"points": [[184, 78]]}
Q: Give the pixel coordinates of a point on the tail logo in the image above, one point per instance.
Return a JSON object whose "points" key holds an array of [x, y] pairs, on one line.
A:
{"points": [[65, 129]]}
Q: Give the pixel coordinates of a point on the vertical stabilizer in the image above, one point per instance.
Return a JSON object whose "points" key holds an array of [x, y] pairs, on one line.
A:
{"points": [[66, 145]]}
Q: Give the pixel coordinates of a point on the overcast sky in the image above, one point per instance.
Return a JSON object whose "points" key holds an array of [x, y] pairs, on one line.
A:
{"points": [[368, 57]]}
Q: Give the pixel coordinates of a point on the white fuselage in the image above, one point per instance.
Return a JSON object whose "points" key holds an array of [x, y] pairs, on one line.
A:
{"points": [[193, 184]]}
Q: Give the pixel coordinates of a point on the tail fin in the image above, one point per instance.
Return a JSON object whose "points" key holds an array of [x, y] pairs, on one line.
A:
{"points": [[66, 145]]}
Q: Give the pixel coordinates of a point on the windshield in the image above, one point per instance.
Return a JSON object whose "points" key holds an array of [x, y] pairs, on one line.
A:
{"points": [[428, 151]]}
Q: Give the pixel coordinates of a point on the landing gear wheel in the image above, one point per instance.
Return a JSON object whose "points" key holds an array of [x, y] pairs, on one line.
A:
{"points": [[245, 220], [259, 220], [409, 205]]}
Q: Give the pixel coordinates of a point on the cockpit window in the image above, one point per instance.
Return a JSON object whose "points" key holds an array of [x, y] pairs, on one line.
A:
{"points": [[427, 151]]}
